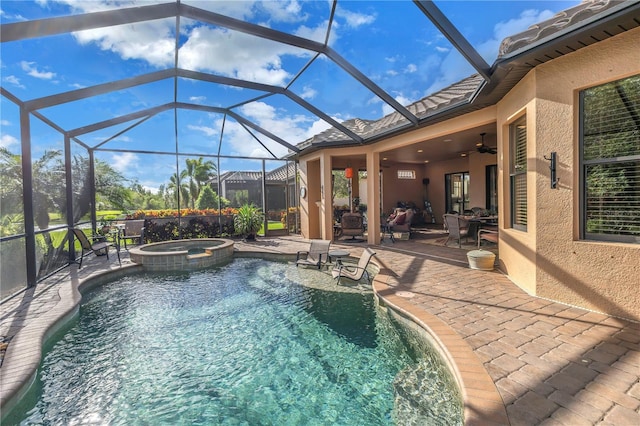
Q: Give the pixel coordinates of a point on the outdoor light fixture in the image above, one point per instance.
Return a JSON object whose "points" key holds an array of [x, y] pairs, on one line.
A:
{"points": [[348, 172], [552, 167]]}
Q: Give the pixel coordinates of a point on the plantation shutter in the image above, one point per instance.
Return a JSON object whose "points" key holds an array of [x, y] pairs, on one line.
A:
{"points": [[610, 136], [519, 174]]}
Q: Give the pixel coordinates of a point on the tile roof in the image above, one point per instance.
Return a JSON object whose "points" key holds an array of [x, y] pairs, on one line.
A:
{"points": [[585, 10], [457, 93]]}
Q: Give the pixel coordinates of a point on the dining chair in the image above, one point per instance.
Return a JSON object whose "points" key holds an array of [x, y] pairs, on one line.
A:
{"points": [[457, 227]]}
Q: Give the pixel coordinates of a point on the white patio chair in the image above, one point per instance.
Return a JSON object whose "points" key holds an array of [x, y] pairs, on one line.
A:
{"points": [[317, 255], [354, 272]]}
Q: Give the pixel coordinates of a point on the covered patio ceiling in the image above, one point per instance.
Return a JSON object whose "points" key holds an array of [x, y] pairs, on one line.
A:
{"points": [[266, 80]]}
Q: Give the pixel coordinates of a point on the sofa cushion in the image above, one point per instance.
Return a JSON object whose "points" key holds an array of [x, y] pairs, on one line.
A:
{"points": [[400, 219]]}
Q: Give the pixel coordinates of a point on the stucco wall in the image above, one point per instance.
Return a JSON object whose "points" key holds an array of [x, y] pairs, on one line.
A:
{"points": [[596, 275], [405, 190]]}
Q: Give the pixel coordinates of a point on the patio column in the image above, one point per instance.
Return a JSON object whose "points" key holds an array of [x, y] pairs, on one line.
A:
{"points": [[374, 209], [355, 189], [326, 208]]}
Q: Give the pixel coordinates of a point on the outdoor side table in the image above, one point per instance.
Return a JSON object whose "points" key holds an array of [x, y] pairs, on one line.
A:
{"points": [[338, 255], [387, 229]]}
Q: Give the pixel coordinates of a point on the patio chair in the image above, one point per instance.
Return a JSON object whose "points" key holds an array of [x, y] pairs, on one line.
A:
{"points": [[352, 225], [133, 230], [457, 227], [317, 255], [487, 235], [100, 246], [402, 220], [354, 272]]}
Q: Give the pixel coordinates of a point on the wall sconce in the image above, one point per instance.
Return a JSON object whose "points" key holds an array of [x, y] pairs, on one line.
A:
{"points": [[552, 167], [348, 172]]}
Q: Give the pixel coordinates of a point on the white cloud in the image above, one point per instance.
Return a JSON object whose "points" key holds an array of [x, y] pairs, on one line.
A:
{"points": [[11, 18], [5, 123], [209, 131], [198, 99], [284, 11], [7, 141], [489, 49], [12, 79], [151, 41], [308, 92], [411, 68], [217, 50], [319, 33], [124, 162], [34, 72], [455, 68], [403, 100], [245, 57], [442, 49], [317, 127], [353, 19]]}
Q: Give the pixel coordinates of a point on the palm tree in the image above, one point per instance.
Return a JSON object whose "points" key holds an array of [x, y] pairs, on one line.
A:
{"points": [[179, 188], [197, 172]]}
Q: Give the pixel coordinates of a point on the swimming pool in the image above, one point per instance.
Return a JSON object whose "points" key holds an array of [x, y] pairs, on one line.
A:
{"points": [[239, 344]]}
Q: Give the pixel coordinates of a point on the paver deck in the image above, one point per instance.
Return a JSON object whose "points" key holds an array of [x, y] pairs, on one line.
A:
{"points": [[552, 364]]}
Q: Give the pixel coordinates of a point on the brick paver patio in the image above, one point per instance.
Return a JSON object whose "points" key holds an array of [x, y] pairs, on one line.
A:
{"points": [[551, 364]]}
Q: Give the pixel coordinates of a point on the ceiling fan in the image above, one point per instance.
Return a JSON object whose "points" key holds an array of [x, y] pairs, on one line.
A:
{"points": [[482, 148]]}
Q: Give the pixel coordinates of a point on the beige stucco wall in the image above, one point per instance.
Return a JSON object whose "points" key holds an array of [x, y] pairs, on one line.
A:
{"points": [[549, 260], [404, 190]]}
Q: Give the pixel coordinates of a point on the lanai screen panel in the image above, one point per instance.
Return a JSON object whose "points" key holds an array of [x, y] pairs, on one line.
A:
{"points": [[12, 252], [222, 51], [211, 94], [150, 133], [308, 19], [398, 48], [198, 131]]}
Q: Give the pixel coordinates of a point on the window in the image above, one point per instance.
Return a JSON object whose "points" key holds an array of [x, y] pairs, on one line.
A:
{"points": [[610, 161], [406, 174], [518, 173]]}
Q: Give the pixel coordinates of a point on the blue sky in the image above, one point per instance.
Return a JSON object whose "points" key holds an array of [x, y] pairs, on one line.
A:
{"points": [[391, 42]]}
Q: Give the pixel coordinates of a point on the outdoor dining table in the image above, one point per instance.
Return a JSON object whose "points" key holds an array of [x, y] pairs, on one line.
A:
{"points": [[480, 222]]}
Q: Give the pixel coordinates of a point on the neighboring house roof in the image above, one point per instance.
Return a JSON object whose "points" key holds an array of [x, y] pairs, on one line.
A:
{"points": [[279, 174], [237, 177], [282, 173], [587, 23]]}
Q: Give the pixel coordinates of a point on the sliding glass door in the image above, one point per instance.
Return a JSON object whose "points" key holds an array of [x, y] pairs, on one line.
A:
{"points": [[457, 192]]}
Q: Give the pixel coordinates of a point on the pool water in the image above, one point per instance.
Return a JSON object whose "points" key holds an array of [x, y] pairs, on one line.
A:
{"points": [[242, 344]]}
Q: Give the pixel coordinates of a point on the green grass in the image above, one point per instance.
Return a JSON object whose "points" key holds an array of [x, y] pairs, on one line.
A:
{"points": [[273, 225]]}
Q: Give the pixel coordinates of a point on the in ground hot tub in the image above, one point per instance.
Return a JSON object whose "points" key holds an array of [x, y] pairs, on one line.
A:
{"points": [[182, 254]]}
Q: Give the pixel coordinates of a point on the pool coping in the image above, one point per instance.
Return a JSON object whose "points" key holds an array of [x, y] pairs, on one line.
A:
{"points": [[482, 404], [24, 354]]}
